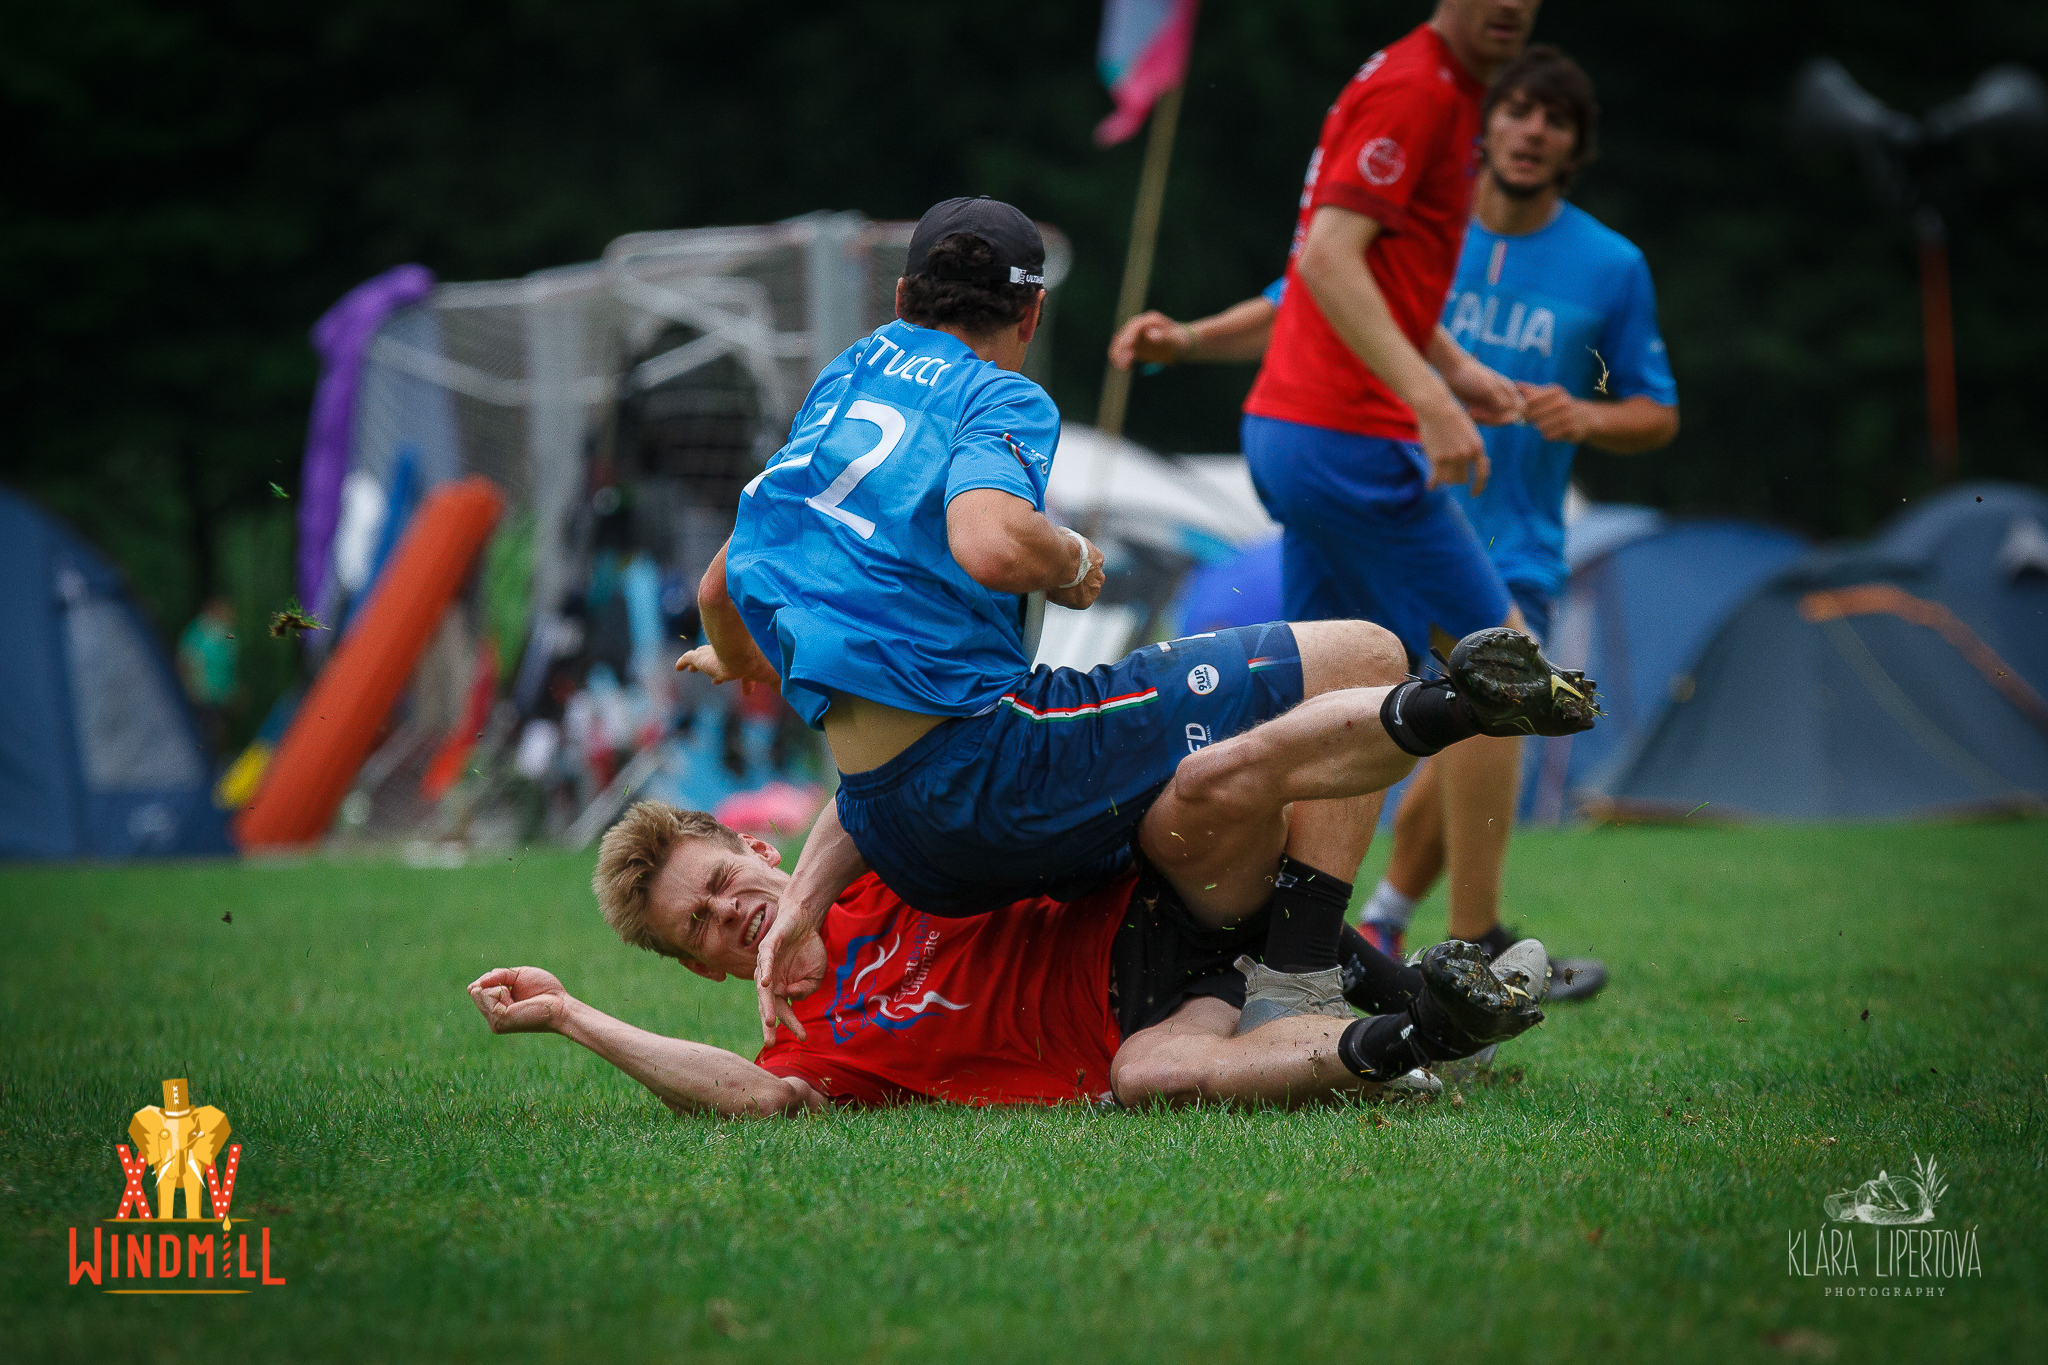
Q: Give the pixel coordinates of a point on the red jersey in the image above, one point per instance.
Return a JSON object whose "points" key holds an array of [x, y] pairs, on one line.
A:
{"points": [[1010, 1007], [1401, 146]]}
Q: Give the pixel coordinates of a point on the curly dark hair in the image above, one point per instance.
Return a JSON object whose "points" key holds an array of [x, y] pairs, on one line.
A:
{"points": [[1560, 85], [970, 305]]}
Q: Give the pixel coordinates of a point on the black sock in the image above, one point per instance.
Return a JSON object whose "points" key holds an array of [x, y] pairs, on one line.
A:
{"points": [[1374, 982], [1307, 914], [1496, 940], [1424, 717], [1395, 1043], [1380, 1048]]}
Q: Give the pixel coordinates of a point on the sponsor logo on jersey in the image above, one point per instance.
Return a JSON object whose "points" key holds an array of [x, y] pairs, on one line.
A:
{"points": [[1381, 161], [1204, 679]]}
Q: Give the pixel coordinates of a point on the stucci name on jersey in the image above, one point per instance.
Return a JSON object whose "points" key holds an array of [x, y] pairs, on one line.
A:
{"points": [[839, 562]]}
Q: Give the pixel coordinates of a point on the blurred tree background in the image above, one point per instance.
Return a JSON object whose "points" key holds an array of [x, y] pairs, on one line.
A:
{"points": [[193, 185]]}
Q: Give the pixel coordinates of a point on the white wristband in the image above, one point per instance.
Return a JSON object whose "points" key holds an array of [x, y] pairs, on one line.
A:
{"points": [[1087, 558]]}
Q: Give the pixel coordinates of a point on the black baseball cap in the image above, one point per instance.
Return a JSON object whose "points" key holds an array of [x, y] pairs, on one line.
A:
{"points": [[1020, 252]]}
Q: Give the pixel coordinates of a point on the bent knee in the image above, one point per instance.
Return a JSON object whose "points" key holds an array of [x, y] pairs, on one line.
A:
{"points": [[1157, 1080], [1226, 784], [1340, 654]]}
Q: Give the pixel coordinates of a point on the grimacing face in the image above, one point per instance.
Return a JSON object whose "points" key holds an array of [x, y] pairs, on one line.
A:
{"points": [[1528, 144], [1494, 30], [714, 903]]}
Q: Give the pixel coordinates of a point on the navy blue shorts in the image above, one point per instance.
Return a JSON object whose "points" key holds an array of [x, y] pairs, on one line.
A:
{"points": [[1367, 538], [1042, 795]]}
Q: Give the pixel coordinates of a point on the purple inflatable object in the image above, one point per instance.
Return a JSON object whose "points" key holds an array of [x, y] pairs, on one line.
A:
{"points": [[342, 337]]}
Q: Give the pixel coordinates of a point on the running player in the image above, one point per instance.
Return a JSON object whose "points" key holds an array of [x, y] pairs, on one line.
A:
{"points": [[1547, 295], [1563, 305], [1358, 422], [1121, 993], [883, 591]]}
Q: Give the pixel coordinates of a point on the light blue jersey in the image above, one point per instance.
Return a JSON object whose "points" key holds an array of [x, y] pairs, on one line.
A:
{"points": [[1553, 306], [839, 562], [1538, 308]]}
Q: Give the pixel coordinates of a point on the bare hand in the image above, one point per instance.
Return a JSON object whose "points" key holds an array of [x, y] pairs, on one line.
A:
{"points": [[1489, 396], [1555, 413], [1082, 595], [1150, 337], [1456, 453], [704, 659], [789, 964], [520, 1000]]}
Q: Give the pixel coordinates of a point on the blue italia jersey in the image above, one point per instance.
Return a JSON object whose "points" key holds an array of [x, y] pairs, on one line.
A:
{"points": [[1552, 306], [839, 562]]}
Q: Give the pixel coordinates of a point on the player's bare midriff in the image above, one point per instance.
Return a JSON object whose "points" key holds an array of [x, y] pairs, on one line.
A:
{"points": [[865, 734]]}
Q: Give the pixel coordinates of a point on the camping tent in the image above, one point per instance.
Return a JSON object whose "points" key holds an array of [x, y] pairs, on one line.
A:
{"points": [[1646, 595], [99, 754], [1901, 677], [1153, 518]]}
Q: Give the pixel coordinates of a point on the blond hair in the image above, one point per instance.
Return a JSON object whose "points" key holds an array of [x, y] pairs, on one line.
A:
{"points": [[632, 855]]}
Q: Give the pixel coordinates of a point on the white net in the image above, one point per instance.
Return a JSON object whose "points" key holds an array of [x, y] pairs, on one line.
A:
{"points": [[621, 405]]}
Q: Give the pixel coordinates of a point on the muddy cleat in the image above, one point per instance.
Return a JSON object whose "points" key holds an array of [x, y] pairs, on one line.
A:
{"points": [[1270, 995], [1465, 1004], [1411, 1086], [1524, 966], [1511, 689]]}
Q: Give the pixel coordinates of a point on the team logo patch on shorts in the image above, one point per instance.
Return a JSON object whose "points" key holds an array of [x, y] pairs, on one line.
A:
{"points": [[1203, 679]]}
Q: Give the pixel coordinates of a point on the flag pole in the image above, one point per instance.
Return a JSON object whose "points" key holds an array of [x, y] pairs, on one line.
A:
{"points": [[1116, 383]]}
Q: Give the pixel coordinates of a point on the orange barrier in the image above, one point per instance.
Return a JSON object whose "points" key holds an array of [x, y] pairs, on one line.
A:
{"points": [[337, 722]]}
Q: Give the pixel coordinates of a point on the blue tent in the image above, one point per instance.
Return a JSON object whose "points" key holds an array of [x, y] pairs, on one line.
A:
{"points": [[100, 756], [1903, 677], [1646, 595]]}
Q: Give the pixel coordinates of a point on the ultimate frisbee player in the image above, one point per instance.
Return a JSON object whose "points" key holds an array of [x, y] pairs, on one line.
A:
{"points": [[1563, 305], [877, 573], [1362, 415], [1118, 994]]}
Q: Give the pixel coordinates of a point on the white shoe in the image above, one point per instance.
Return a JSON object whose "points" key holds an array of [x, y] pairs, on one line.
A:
{"points": [[1415, 1085]]}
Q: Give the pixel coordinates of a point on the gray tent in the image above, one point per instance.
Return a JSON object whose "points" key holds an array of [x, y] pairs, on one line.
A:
{"points": [[1903, 677]]}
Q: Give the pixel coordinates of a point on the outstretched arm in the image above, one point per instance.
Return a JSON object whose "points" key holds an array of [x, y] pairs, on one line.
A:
{"points": [[729, 653], [1237, 334], [685, 1076], [790, 962]]}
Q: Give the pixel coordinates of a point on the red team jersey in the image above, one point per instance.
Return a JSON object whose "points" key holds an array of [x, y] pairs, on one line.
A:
{"points": [[1401, 146], [1003, 1008]]}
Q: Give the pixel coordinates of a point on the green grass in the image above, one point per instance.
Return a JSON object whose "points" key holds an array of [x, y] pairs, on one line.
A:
{"points": [[436, 1193]]}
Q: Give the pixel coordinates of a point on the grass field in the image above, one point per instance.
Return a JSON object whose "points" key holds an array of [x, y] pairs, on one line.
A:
{"points": [[1792, 1010]]}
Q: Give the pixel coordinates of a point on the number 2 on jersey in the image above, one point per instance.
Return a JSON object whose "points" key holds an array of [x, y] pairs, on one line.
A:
{"points": [[891, 423]]}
